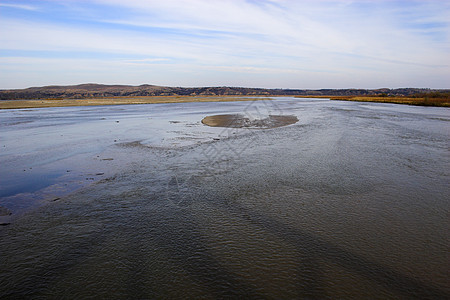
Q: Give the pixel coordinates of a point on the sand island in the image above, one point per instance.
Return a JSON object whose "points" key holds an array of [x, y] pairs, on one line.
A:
{"points": [[241, 121]]}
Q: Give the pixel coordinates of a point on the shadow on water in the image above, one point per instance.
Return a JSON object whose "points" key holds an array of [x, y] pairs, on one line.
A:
{"points": [[43, 270], [318, 249], [180, 240], [189, 248], [175, 232]]}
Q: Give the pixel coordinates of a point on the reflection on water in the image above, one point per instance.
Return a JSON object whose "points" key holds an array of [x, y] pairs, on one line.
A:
{"points": [[350, 202]]}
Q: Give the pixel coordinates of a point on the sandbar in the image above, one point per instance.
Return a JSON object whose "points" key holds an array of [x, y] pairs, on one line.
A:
{"points": [[241, 121]]}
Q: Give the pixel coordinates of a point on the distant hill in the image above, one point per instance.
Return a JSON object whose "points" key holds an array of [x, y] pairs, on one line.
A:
{"points": [[91, 90]]}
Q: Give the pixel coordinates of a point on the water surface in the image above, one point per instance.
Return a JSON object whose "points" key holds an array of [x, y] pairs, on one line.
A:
{"points": [[349, 202]]}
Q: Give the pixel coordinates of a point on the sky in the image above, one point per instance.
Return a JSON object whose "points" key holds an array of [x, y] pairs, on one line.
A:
{"points": [[303, 44]]}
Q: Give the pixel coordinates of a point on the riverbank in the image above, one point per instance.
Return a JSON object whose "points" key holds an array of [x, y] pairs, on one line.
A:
{"points": [[40, 103], [421, 101]]}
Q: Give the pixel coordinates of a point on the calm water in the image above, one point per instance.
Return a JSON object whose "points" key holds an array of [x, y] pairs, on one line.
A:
{"points": [[146, 202]]}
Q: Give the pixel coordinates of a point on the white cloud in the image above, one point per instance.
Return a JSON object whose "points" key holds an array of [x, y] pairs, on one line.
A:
{"points": [[147, 60], [19, 6], [296, 25], [292, 38]]}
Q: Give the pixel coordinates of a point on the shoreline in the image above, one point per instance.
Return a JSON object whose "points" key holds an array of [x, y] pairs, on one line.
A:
{"points": [[423, 101], [42, 103], [47, 103]]}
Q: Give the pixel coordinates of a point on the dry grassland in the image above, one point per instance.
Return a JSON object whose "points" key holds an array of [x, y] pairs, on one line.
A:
{"points": [[10, 104]]}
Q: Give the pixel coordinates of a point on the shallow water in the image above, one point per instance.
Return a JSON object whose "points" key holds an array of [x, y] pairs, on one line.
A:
{"points": [[349, 202]]}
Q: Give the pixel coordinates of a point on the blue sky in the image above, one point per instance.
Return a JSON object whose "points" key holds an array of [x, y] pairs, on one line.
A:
{"points": [[273, 44]]}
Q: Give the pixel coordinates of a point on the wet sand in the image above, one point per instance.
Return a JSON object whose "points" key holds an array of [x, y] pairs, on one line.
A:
{"points": [[241, 121]]}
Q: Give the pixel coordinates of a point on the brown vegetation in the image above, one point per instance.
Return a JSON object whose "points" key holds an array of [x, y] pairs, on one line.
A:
{"points": [[96, 91], [10, 104], [96, 94], [434, 98]]}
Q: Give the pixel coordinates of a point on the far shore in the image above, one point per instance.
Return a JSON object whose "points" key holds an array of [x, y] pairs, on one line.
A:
{"points": [[42, 103], [419, 101]]}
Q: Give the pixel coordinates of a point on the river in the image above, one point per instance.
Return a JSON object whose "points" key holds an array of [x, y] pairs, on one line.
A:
{"points": [[145, 201]]}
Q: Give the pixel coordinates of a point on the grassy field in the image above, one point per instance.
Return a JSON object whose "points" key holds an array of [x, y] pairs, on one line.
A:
{"points": [[10, 104], [422, 101]]}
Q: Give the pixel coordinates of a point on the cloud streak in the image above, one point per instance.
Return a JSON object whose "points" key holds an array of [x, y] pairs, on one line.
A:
{"points": [[252, 40], [18, 6]]}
